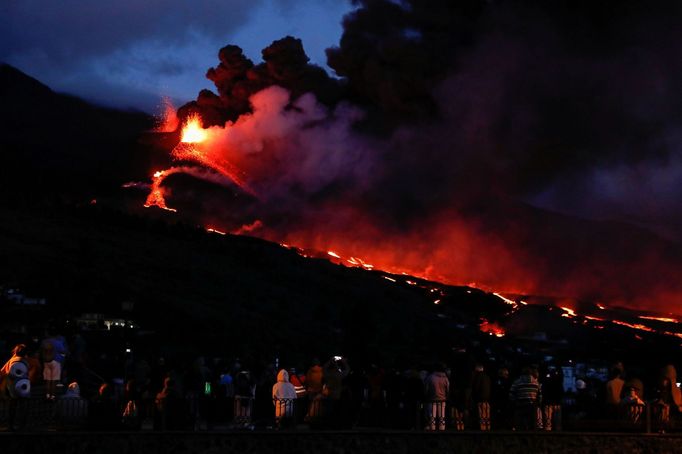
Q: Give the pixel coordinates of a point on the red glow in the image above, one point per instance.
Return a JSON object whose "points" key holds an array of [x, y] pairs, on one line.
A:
{"points": [[193, 132], [568, 312], [491, 328], [156, 195], [169, 119], [262, 154], [660, 319]]}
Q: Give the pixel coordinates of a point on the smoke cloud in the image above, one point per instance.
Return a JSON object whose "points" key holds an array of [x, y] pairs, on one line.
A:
{"points": [[456, 136]]}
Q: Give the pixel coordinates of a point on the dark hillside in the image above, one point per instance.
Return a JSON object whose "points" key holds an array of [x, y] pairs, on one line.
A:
{"points": [[53, 144]]}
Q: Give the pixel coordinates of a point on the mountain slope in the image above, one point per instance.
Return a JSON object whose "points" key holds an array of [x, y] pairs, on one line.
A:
{"points": [[52, 143]]}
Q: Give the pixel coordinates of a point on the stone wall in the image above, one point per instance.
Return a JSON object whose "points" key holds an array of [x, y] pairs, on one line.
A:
{"points": [[333, 442]]}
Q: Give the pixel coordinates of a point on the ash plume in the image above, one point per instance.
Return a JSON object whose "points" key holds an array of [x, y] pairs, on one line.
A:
{"points": [[455, 136]]}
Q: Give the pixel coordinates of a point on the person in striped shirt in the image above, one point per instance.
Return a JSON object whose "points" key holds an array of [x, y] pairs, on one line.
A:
{"points": [[526, 395]]}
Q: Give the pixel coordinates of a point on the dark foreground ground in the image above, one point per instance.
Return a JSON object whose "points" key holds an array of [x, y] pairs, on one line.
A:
{"points": [[337, 442]]}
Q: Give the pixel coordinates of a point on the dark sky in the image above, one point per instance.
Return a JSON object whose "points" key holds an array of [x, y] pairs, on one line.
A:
{"points": [[130, 53]]}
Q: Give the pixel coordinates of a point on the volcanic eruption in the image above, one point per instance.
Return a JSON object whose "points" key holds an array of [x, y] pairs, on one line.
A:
{"points": [[447, 128]]}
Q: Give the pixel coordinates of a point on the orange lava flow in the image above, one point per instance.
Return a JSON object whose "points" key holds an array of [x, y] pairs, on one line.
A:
{"points": [[155, 197]]}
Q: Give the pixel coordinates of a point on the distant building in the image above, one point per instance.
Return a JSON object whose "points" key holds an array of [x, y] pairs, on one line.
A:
{"points": [[19, 298], [103, 322]]}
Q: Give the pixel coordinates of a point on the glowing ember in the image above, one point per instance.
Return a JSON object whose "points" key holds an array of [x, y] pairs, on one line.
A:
{"points": [[389, 278], [491, 328], [601, 306], [333, 254], [191, 152], [212, 230], [169, 118], [436, 302]]}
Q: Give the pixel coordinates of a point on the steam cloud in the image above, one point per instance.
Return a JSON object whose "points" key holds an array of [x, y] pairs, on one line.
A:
{"points": [[450, 118]]}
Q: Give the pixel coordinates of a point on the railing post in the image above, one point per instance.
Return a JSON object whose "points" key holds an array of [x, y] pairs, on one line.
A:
{"points": [[418, 413], [647, 409]]}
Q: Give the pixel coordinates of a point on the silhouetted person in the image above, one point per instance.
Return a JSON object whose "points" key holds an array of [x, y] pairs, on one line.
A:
{"points": [[72, 409], [614, 391], [104, 411], [132, 411], [526, 395], [667, 398], [414, 396], [480, 396], [501, 414], [16, 385], [552, 395], [172, 412], [436, 390]]}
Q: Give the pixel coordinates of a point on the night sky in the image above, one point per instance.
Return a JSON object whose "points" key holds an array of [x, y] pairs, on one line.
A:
{"points": [[429, 108], [130, 53]]}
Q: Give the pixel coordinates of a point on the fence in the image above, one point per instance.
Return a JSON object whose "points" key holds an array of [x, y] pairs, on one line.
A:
{"points": [[239, 413]]}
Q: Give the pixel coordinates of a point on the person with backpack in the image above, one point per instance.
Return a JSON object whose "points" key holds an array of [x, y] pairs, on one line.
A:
{"points": [[15, 384]]}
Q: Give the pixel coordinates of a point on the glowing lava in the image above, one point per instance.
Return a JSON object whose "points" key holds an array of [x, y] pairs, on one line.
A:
{"points": [[194, 146], [192, 132], [155, 197]]}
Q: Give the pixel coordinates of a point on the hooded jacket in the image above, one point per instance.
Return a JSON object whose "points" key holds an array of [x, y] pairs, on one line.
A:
{"points": [[283, 389], [283, 393]]}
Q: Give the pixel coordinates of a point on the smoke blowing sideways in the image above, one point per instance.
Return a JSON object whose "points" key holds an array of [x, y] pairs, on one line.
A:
{"points": [[447, 122]]}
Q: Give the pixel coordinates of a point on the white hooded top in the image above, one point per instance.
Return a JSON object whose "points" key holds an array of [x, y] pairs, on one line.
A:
{"points": [[283, 389]]}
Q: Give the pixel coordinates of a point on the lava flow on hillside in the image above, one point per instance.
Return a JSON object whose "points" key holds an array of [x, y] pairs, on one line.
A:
{"points": [[463, 143]]}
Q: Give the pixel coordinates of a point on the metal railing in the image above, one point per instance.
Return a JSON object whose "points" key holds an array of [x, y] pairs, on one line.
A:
{"points": [[318, 413]]}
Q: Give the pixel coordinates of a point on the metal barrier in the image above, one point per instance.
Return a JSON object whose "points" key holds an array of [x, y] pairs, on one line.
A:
{"points": [[318, 413], [435, 415], [285, 414], [243, 411]]}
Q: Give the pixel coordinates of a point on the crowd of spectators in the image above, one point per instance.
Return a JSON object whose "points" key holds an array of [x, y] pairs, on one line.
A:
{"points": [[196, 395]]}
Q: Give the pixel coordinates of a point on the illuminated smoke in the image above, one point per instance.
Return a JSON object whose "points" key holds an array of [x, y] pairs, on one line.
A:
{"points": [[457, 115]]}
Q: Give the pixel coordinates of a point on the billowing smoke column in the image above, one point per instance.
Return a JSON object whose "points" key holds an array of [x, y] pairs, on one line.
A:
{"points": [[450, 121]]}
